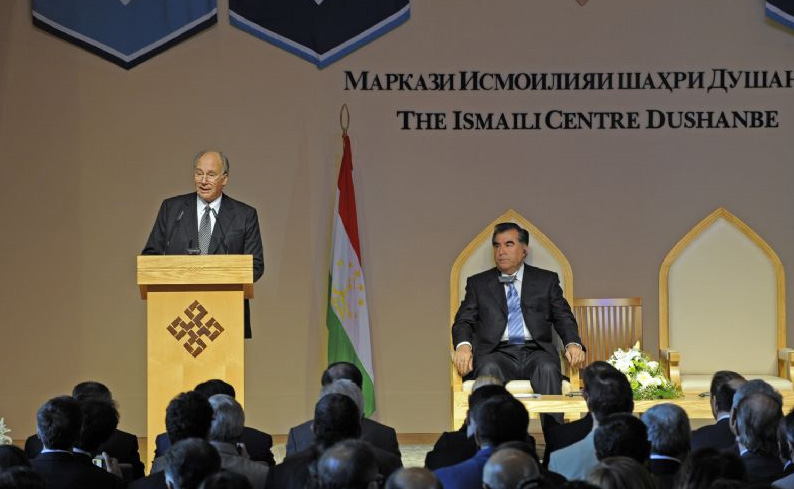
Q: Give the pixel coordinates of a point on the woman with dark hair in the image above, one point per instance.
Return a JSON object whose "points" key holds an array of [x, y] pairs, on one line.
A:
{"points": [[705, 466], [620, 473]]}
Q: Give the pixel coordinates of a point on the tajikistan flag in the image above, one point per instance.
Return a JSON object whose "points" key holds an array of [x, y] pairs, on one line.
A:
{"points": [[347, 316]]}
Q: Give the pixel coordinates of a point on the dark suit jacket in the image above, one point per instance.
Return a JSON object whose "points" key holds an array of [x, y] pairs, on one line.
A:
{"points": [[376, 434], [258, 444], [718, 436], [121, 445], [467, 474], [559, 436], [663, 472], [68, 471], [155, 480], [236, 232], [482, 317], [293, 472], [451, 448], [761, 467]]}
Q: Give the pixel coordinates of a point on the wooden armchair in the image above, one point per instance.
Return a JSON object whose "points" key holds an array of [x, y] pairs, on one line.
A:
{"points": [[722, 306], [478, 256]]}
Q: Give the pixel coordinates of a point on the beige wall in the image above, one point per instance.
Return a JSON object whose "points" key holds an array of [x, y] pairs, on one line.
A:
{"points": [[91, 150]]}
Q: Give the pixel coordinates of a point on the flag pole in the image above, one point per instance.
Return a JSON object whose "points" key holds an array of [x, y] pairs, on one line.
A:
{"points": [[344, 119]]}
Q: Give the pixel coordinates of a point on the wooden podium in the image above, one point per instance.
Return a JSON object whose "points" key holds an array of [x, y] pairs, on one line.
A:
{"points": [[194, 326]]}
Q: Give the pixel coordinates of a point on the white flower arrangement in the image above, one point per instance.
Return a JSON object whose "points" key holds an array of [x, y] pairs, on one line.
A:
{"points": [[4, 438], [645, 375]]}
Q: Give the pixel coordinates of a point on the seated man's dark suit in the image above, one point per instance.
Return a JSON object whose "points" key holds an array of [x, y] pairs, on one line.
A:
{"points": [[559, 436], [482, 318], [663, 472], [451, 448], [376, 434], [236, 232], [63, 470], [121, 445], [293, 472], [717, 436], [257, 443], [762, 467]]}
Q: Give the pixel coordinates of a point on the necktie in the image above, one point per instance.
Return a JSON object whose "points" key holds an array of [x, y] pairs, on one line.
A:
{"points": [[205, 232], [515, 326]]}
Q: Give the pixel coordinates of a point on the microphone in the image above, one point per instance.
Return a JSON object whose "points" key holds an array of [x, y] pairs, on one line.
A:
{"points": [[173, 230], [223, 235]]}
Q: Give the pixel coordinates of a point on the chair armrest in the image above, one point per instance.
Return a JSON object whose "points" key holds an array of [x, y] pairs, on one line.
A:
{"points": [[572, 374], [785, 363], [671, 365]]}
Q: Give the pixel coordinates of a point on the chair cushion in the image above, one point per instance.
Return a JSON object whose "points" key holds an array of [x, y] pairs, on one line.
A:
{"points": [[702, 383]]}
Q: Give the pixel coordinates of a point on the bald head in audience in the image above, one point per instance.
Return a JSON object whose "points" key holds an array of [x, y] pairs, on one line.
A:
{"points": [[413, 478], [507, 467], [349, 464]]}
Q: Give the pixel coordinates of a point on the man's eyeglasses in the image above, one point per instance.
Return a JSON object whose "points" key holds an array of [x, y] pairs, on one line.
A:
{"points": [[211, 177]]}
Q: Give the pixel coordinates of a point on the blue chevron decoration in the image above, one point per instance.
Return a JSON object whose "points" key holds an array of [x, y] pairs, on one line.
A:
{"points": [[125, 32], [319, 31], [781, 11]]}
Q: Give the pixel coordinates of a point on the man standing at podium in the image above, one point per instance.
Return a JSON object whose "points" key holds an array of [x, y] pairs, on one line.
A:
{"points": [[208, 222]]}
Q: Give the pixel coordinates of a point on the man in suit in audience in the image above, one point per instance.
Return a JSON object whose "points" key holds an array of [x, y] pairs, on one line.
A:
{"points": [[121, 445], [787, 438], [208, 222], [336, 417], [755, 421], [559, 436], [350, 464], [454, 447], [719, 435], [669, 433], [608, 392], [384, 437], [622, 435], [497, 420], [258, 444], [507, 467], [59, 422], [225, 433], [189, 462], [188, 415], [413, 478]]}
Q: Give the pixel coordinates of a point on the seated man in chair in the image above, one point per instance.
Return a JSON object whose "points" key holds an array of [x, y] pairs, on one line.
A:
{"points": [[505, 321]]}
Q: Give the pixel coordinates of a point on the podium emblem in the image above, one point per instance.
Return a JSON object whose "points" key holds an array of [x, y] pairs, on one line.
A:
{"points": [[197, 328]]}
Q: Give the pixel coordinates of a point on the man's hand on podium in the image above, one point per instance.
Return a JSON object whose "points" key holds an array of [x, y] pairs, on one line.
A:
{"points": [[464, 361], [574, 355]]}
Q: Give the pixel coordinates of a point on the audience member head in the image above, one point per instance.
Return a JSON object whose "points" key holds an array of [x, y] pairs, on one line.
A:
{"points": [[91, 390], [342, 370], [100, 419], [58, 423], [722, 402], [668, 430], [719, 379], [349, 464], [786, 433], [500, 419], [622, 435], [413, 478], [336, 418], [607, 391], [190, 461], [507, 467], [705, 466], [20, 478], [755, 386], [477, 397], [226, 480], [215, 386], [620, 473], [12, 456], [188, 415], [228, 419], [521, 446], [757, 419], [346, 388]]}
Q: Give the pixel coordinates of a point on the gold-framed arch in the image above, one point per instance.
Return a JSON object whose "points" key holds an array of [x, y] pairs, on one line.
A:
{"points": [[549, 250], [672, 358]]}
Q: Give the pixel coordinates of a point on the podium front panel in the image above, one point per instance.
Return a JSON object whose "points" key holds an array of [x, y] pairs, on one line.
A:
{"points": [[192, 336]]}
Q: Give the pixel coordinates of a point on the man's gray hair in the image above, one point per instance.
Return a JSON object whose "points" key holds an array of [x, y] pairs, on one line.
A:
{"points": [[346, 388], [757, 419], [756, 386], [507, 467], [224, 159], [228, 419], [668, 430]]}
